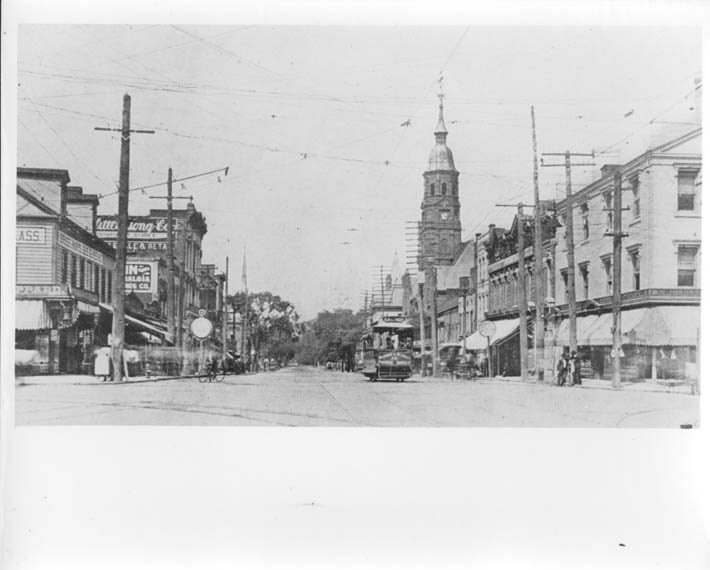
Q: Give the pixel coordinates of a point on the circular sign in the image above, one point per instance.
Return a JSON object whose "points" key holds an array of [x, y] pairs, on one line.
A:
{"points": [[201, 312], [487, 328], [201, 328]]}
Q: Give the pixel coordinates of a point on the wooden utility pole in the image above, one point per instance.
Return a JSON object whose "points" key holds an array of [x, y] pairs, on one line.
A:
{"points": [[434, 325], [569, 237], [171, 253], [422, 330], [245, 315], [539, 301], [474, 282], [171, 260], [181, 290], [224, 310], [616, 286], [118, 292], [522, 297]]}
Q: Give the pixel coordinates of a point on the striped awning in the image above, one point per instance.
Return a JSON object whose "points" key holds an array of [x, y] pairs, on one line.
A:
{"points": [[31, 315]]}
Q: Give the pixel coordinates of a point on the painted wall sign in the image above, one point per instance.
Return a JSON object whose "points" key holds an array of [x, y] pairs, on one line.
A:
{"points": [[142, 276], [80, 248], [140, 228], [31, 235], [41, 291]]}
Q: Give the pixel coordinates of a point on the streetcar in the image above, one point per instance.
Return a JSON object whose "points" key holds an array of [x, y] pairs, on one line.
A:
{"points": [[385, 350]]}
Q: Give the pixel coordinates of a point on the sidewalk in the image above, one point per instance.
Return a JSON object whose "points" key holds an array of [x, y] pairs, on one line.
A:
{"points": [[667, 386], [57, 379]]}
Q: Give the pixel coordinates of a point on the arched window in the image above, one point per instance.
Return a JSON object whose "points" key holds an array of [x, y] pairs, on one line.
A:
{"points": [[431, 189], [443, 189]]}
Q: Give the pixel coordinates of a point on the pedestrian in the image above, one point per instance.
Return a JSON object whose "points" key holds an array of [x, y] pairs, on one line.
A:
{"points": [[562, 369], [577, 376], [572, 366], [102, 363]]}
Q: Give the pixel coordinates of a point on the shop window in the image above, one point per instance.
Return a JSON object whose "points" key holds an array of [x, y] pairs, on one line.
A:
{"points": [[686, 190], [687, 256]]}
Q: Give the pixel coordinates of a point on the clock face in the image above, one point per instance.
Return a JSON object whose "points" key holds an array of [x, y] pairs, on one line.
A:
{"points": [[444, 215]]}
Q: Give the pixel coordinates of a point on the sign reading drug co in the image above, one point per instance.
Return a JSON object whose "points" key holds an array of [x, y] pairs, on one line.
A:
{"points": [[141, 277]]}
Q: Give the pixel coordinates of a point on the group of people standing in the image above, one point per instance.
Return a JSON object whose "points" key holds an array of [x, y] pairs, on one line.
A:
{"points": [[569, 371]]}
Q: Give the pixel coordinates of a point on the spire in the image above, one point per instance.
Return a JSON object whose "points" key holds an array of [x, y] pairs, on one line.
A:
{"points": [[440, 126]]}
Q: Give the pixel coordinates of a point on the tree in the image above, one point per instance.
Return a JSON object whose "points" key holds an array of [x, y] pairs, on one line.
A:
{"points": [[332, 335], [272, 323]]}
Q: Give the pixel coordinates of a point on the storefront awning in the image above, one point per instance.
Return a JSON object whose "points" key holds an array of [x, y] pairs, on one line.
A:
{"points": [[504, 328], [86, 308], [653, 326], [31, 315], [141, 324]]}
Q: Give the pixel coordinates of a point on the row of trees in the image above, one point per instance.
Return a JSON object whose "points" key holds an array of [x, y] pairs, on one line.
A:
{"points": [[273, 324], [331, 337]]}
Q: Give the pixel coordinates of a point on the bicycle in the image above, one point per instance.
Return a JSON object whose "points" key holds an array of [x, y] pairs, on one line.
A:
{"points": [[213, 373]]}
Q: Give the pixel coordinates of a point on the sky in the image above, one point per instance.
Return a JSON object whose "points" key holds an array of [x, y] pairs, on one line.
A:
{"points": [[327, 130]]}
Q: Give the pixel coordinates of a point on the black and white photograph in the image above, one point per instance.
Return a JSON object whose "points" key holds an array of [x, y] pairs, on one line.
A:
{"points": [[432, 226], [232, 228]]}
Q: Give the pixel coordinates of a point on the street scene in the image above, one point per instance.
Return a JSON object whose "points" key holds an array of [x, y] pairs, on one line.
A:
{"points": [[308, 396], [377, 227]]}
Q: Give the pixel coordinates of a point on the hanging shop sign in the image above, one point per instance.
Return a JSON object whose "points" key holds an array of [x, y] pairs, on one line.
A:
{"points": [[201, 328]]}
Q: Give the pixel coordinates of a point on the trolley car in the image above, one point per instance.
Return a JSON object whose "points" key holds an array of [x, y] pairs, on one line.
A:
{"points": [[385, 350]]}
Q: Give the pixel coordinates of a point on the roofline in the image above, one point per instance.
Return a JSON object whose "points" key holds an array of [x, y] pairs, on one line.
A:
{"points": [[631, 164], [46, 173]]}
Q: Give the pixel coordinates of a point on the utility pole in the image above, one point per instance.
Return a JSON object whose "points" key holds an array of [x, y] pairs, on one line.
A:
{"points": [[181, 291], [569, 238], [171, 253], [522, 297], [245, 315], [522, 291], [539, 301], [224, 310], [422, 331], [618, 235], [434, 324], [119, 282]]}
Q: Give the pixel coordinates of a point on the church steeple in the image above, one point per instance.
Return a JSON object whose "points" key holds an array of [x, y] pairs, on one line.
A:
{"points": [[440, 236], [441, 132]]}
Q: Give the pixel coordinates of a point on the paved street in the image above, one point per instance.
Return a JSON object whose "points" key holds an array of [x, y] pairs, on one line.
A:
{"points": [[306, 396]]}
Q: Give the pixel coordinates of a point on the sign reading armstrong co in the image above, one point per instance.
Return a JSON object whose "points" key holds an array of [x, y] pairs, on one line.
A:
{"points": [[150, 228], [141, 276]]}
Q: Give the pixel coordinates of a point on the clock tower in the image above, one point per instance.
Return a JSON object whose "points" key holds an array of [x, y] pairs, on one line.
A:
{"points": [[440, 226]]}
